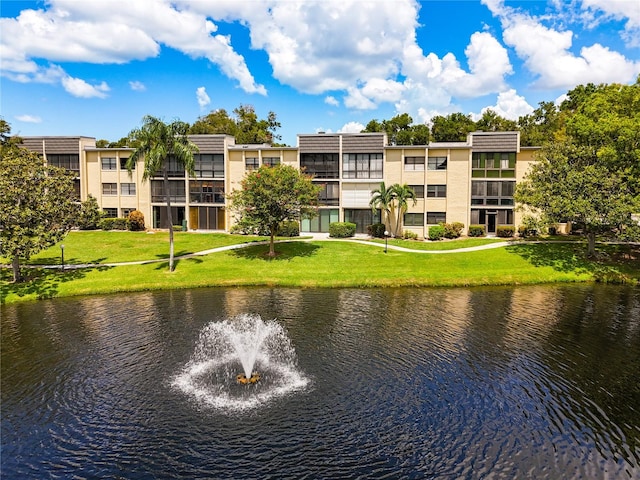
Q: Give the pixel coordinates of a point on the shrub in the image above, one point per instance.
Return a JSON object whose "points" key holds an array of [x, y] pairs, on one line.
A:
{"points": [[436, 232], [114, 224], [289, 228], [505, 231], [90, 215], [453, 230], [409, 235], [342, 229], [376, 230], [136, 221], [476, 231]]}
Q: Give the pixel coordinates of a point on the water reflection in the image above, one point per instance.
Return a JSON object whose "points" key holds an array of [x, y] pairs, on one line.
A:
{"points": [[409, 383]]}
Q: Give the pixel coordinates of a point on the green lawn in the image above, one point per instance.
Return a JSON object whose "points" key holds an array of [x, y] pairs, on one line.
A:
{"points": [[305, 264]]}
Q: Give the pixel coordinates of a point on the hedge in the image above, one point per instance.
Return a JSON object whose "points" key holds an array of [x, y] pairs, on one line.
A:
{"points": [[476, 231], [505, 231], [342, 229], [436, 232]]}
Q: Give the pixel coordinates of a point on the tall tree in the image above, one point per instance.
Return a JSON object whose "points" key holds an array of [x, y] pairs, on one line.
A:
{"points": [[157, 143], [540, 126], [383, 198], [245, 126], [590, 172], [402, 194], [37, 206], [453, 128], [271, 195], [492, 122], [400, 130]]}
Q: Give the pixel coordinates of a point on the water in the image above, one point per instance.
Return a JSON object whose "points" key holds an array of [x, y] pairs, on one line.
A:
{"points": [[239, 344], [528, 382]]}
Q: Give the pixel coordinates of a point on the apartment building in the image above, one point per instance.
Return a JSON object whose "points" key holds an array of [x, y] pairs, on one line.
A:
{"points": [[470, 182]]}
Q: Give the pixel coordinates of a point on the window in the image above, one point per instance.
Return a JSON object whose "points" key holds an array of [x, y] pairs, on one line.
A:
{"points": [[434, 218], [206, 191], [414, 164], [437, 163], [418, 190], [110, 189], [436, 191], [492, 192], [123, 164], [69, 161], [320, 165], [209, 165], [330, 194], [127, 211], [252, 163], [493, 164], [270, 161], [110, 212], [127, 189], [174, 168], [414, 219], [176, 191], [108, 163], [362, 165]]}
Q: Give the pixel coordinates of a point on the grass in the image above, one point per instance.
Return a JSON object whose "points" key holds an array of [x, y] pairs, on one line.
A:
{"points": [[305, 264], [440, 245]]}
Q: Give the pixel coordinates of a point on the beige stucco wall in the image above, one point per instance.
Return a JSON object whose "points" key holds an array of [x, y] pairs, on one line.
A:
{"points": [[458, 186], [95, 177], [524, 160]]}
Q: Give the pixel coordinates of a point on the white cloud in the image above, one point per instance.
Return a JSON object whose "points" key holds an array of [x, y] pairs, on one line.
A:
{"points": [[509, 105], [331, 100], [547, 52], [628, 10], [203, 98], [79, 88], [137, 86], [104, 31], [351, 127], [29, 118]]}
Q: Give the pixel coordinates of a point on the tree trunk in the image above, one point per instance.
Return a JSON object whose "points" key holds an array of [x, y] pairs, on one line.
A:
{"points": [[591, 244], [15, 264], [272, 248], [169, 217]]}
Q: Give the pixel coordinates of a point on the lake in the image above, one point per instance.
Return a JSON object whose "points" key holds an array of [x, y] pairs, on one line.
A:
{"points": [[513, 382]]}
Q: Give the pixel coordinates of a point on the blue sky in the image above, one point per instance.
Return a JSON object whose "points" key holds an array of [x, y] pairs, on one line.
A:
{"points": [[96, 67]]}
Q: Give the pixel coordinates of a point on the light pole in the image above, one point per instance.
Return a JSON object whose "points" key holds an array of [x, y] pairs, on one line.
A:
{"points": [[62, 250], [386, 238]]}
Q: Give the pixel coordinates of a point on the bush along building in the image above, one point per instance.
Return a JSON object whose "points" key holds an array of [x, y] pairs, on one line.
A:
{"points": [[468, 182]]}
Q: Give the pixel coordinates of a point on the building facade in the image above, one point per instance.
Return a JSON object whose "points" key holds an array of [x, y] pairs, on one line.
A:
{"points": [[470, 182]]}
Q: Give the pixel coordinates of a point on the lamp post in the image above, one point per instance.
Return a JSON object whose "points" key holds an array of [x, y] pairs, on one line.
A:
{"points": [[386, 238], [62, 250]]}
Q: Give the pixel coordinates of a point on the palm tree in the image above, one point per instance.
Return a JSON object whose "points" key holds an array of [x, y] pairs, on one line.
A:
{"points": [[383, 198], [156, 143], [402, 193]]}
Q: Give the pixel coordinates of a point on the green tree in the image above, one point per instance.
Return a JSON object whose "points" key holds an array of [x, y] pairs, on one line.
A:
{"points": [[492, 122], [90, 214], [36, 205], [245, 126], [402, 194], [383, 198], [590, 173], [400, 130], [452, 128], [540, 126], [158, 143], [271, 195]]}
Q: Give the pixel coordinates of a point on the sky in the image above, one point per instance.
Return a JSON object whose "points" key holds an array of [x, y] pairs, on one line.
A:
{"points": [[97, 67]]}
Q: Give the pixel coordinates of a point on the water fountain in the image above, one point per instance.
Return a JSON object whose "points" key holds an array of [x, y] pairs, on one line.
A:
{"points": [[244, 344]]}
